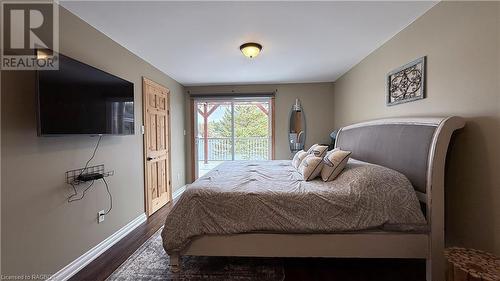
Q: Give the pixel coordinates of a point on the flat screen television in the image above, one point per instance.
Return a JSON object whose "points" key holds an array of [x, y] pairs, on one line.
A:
{"points": [[81, 99]]}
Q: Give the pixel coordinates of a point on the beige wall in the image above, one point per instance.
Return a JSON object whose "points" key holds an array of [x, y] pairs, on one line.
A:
{"points": [[41, 232], [316, 98], [0, 179], [462, 44]]}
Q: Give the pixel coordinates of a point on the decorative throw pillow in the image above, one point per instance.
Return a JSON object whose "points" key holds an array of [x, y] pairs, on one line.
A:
{"points": [[297, 159], [311, 167], [318, 150], [334, 162]]}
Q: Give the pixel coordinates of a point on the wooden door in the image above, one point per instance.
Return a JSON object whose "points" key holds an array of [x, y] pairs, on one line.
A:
{"points": [[156, 145]]}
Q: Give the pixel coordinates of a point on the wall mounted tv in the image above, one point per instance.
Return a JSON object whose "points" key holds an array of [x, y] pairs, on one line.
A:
{"points": [[81, 99]]}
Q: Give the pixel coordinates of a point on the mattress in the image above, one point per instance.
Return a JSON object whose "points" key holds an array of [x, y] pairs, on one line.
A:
{"points": [[271, 196]]}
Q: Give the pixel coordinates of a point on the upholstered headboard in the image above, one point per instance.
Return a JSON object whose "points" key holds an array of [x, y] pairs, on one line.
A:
{"points": [[416, 147], [407, 145]]}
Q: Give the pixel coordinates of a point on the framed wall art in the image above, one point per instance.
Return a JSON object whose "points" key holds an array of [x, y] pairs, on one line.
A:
{"points": [[406, 83]]}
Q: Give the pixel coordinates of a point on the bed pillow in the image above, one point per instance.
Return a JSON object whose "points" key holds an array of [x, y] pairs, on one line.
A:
{"points": [[297, 159], [310, 167], [334, 162], [318, 150]]}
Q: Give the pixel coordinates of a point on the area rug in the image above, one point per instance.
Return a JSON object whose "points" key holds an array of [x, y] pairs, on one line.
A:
{"points": [[150, 262]]}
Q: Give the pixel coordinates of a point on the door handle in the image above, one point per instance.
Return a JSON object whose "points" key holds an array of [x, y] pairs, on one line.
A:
{"points": [[149, 158]]}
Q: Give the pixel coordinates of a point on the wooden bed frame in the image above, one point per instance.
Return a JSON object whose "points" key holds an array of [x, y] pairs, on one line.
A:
{"points": [[428, 245]]}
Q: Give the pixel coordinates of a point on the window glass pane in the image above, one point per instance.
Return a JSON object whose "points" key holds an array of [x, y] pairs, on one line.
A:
{"points": [[232, 129], [213, 138], [251, 129]]}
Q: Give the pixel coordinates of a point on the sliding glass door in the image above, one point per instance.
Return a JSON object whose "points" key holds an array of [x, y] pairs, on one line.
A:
{"points": [[231, 129]]}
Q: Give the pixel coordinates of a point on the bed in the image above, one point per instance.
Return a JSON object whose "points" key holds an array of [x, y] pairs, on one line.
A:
{"points": [[387, 203]]}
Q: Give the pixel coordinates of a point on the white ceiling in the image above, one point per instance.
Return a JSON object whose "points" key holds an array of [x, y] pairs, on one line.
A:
{"points": [[197, 43]]}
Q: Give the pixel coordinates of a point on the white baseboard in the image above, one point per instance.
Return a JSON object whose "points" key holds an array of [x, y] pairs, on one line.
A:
{"points": [[76, 265], [176, 194]]}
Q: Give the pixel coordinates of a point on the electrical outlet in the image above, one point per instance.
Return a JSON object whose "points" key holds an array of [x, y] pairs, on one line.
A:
{"points": [[100, 216]]}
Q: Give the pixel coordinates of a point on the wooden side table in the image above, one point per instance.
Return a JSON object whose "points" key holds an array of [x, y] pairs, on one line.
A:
{"points": [[471, 265]]}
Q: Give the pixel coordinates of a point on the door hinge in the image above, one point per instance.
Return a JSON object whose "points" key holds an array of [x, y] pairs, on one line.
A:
{"points": [[168, 112], [169, 183], [142, 129]]}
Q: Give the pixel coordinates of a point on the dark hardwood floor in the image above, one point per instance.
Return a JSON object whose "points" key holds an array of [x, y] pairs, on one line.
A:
{"points": [[296, 269], [315, 269], [109, 261]]}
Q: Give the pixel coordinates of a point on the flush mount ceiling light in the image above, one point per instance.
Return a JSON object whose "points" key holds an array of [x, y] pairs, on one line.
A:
{"points": [[251, 50]]}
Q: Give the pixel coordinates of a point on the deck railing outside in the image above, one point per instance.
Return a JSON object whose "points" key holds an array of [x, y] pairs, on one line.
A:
{"points": [[247, 148]]}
